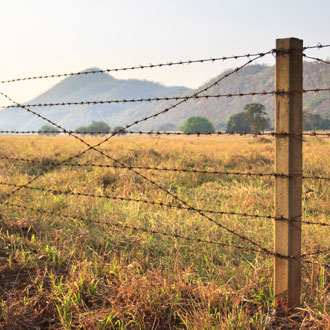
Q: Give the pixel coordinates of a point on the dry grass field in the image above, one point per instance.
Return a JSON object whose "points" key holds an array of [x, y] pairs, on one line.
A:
{"points": [[65, 265]]}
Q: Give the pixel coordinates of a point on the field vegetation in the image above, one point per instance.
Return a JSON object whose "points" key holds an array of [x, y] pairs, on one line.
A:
{"points": [[69, 262]]}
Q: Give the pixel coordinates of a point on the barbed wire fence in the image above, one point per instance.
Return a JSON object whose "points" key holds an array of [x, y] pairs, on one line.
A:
{"points": [[179, 203]]}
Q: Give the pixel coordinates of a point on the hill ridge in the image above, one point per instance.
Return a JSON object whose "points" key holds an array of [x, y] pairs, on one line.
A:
{"points": [[103, 86]]}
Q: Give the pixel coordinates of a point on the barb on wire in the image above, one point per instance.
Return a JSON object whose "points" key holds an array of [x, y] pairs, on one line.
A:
{"points": [[168, 133], [316, 90], [316, 134], [166, 169], [316, 59], [151, 66], [173, 235], [307, 222], [139, 100], [171, 206], [150, 168], [166, 98], [318, 46], [315, 253], [145, 230], [129, 199], [315, 177], [137, 67]]}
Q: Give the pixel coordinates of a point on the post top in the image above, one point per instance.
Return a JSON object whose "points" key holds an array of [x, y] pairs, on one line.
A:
{"points": [[287, 43]]}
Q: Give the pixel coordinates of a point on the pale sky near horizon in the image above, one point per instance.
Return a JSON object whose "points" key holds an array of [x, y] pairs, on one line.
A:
{"points": [[47, 37]]}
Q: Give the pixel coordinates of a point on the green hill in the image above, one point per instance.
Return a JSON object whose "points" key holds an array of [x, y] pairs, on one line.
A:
{"points": [[255, 78]]}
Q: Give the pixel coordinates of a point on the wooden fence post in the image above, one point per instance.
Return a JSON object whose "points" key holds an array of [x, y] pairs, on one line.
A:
{"points": [[288, 190]]}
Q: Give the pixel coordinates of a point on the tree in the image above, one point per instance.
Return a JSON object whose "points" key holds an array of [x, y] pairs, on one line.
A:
{"points": [[48, 130], [237, 123], [313, 122], [251, 120], [99, 126], [255, 117], [197, 125], [120, 130]]}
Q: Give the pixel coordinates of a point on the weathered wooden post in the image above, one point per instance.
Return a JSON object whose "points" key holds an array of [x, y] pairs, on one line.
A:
{"points": [[288, 189]]}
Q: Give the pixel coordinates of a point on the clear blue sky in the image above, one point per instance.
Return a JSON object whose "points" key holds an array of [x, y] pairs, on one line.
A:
{"points": [[44, 36]]}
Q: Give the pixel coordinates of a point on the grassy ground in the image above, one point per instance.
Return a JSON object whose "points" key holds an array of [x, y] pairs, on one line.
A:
{"points": [[67, 268]]}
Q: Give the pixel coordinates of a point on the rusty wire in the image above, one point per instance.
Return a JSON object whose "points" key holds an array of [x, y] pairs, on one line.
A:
{"points": [[218, 133], [151, 66], [129, 199], [318, 46], [317, 59], [48, 162], [150, 168], [150, 99], [166, 234], [149, 231], [137, 67], [162, 204], [167, 98], [168, 133]]}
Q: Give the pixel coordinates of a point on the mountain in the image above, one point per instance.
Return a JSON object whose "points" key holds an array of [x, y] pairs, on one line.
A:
{"points": [[91, 87], [101, 86]]}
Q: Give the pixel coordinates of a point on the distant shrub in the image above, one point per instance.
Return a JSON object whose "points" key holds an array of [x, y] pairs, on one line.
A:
{"points": [[94, 127], [197, 125], [313, 122], [167, 127], [48, 130], [82, 129]]}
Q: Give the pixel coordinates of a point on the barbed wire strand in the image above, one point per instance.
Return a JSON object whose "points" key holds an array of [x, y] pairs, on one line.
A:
{"points": [[318, 46], [139, 100], [177, 236], [317, 59], [162, 204], [137, 67], [139, 229], [45, 132], [129, 199], [151, 66], [48, 162], [166, 98], [166, 133]]}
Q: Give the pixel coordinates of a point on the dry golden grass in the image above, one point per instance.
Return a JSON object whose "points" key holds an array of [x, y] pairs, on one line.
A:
{"points": [[62, 272]]}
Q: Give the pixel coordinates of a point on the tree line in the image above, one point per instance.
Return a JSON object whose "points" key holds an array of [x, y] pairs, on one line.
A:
{"points": [[252, 119], [100, 127]]}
